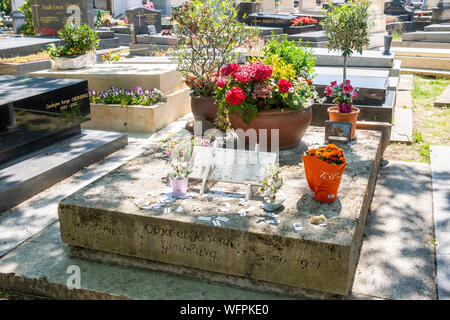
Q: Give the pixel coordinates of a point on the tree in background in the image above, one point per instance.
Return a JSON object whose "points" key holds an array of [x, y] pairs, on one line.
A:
{"points": [[347, 28], [5, 6]]}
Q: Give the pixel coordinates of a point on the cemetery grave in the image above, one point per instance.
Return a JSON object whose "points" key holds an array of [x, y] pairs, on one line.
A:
{"points": [[39, 114], [222, 236], [258, 245]]}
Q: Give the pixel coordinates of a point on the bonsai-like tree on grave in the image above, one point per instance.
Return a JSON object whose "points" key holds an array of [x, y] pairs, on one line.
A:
{"points": [[347, 28], [208, 34]]}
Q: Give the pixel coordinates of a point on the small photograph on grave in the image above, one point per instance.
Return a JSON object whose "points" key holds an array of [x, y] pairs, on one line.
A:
{"points": [[338, 131]]}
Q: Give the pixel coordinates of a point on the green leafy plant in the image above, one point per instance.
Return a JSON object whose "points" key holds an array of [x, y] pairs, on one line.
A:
{"points": [[77, 41], [208, 33], [347, 28], [300, 57], [28, 27], [5, 5]]}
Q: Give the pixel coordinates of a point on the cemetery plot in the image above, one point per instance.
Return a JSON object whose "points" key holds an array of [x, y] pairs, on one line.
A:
{"points": [[131, 212], [41, 111]]}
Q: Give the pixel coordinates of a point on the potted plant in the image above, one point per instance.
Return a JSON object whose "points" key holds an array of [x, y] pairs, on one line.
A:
{"points": [[324, 168], [78, 50], [270, 186], [343, 95], [208, 34], [347, 28], [274, 92]]}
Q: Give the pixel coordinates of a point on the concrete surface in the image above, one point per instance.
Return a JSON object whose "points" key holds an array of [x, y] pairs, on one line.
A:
{"points": [[443, 101], [406, 82], [403, 119], [35, 172], [441, 204], [397, 258], [103, 215], [103, 76]]}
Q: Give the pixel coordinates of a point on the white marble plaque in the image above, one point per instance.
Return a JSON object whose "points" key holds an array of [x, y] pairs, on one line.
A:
{"points": [[229, 165]]}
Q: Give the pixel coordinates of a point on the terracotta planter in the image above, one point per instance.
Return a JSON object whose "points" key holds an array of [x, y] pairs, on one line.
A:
{"points": [[335, 115], [291, 124], [205, 107]]}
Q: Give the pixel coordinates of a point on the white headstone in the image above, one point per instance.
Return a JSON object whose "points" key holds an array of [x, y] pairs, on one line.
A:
{"points": [[306, 5], [268, 6], [286, 6]]}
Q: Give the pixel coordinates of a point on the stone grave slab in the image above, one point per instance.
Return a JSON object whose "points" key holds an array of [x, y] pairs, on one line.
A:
{"points": [[443, 101], [108, 216], [41, 112], [50, 16], [22, 46], [103, 76], [368, 59], [29, 175], [427, 36], [438, 27]]}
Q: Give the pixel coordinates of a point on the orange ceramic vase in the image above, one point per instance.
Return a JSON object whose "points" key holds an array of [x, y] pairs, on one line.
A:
{"points": [[352, 117]]}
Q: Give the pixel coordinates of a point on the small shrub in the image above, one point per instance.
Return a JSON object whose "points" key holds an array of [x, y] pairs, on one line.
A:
{"points": [[28, 27], [77, 41]]}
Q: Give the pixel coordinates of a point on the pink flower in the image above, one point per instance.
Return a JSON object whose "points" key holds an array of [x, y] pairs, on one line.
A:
{"points": [[354, 95], [333, 84], [221, 82], [284, 85], [329, 91], [347, 82], [261, 71], [235, 96], [243, 76], [347, 89]]}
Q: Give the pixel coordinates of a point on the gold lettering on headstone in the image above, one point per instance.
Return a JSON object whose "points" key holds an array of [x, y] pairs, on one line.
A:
{"points": [[36, 6]]}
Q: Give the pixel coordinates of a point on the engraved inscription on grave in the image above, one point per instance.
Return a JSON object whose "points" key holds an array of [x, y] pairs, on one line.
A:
{"points": [[50, 16], [141, 18]]}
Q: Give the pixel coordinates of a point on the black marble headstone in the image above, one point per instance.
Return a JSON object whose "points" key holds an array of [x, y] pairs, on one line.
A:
{"points": [[41, 112], [140, 18], [270, 20], [396, 8], [50, 16]]}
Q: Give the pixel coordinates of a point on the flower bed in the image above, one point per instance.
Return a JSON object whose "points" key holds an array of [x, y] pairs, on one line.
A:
{"points": [[136, 109]]}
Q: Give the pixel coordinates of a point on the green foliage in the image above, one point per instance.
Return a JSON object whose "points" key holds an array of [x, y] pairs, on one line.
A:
{"points": [[300, 57], [208, 32], [347, 26], [28, 27], [77, 41], [5, 5], [281, 69]]}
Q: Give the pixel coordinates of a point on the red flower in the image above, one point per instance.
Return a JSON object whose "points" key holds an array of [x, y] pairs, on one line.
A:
{"points": [[261, 71], [243, 76], [284, 85], [354, 95], [333, 84], [230, 70], [235, 96]]}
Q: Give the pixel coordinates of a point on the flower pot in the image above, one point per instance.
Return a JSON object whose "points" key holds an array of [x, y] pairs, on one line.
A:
{"points": [[323, 178], [179, 186], [291, 124], [274, 205], [204, 107], [73, 63], [335, 115]]}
